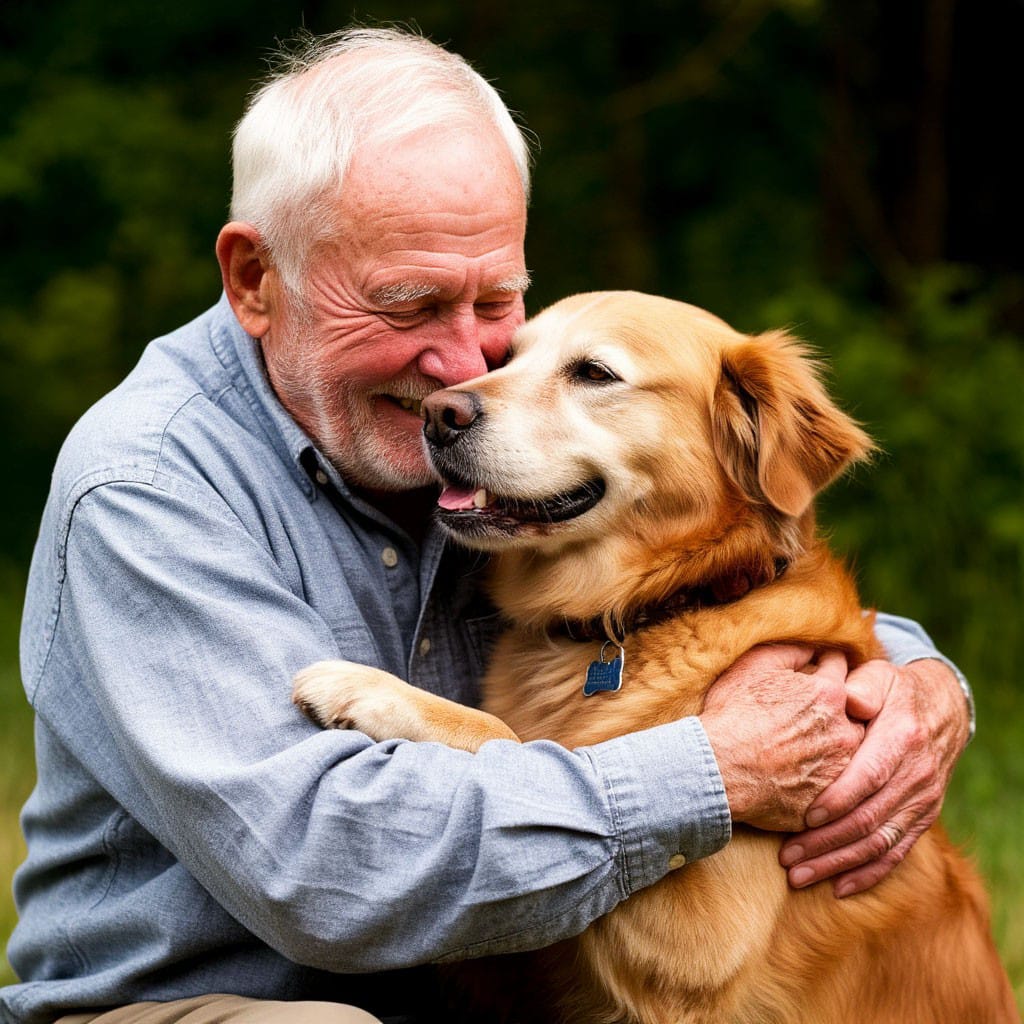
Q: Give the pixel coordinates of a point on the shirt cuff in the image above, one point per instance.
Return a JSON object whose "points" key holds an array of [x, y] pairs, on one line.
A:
{"points": [[905, 641], [667, 798]]}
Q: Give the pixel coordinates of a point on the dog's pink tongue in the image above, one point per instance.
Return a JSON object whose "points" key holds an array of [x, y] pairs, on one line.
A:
{"points": [[456, 498]]}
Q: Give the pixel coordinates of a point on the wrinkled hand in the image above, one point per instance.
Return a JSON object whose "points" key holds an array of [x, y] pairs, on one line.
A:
{"points": [[780, 733], [894, 786]]}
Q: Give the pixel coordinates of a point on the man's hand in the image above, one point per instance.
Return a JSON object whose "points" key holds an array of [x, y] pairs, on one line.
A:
{"points": [[780, 733], [862, 826]]}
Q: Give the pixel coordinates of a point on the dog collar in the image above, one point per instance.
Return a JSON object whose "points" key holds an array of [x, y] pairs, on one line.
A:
{"points": [[713, 594]]}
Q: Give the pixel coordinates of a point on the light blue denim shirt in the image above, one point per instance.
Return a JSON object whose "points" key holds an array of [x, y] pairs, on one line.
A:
{"points": [[191, 831]]}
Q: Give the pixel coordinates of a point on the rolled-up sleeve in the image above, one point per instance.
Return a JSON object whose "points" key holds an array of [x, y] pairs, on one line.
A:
{"points": [[905, 641], [175, 637]]}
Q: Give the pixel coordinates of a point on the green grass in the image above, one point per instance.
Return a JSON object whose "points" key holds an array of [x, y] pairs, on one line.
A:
{"points": [[984, 811], [17, 775], [17, 766]]}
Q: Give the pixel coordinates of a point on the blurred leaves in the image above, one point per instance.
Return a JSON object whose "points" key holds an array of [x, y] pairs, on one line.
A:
{"points": [[767, 159], [113, 181], [937, 523]]}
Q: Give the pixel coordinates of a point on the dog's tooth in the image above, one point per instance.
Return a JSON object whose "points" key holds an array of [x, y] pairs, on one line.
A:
{"points": [[480, 498]]}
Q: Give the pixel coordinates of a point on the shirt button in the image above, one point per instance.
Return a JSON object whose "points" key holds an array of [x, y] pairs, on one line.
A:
{"points": [[389, 556], [424, 646], [676, 861], [321, 477]]}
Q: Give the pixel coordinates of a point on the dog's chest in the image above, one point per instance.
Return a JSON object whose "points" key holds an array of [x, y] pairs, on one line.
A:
{"points": [[538, 686]]}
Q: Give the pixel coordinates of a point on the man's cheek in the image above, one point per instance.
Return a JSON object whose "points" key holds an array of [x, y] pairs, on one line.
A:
{"points": [[496, 341]]}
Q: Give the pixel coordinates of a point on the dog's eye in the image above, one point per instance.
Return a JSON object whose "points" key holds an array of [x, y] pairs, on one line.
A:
{"points": [[594, 373]]}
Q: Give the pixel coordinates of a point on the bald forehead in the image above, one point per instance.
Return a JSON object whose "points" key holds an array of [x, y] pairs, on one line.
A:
{"points": [[435, 169], [430, 220]]}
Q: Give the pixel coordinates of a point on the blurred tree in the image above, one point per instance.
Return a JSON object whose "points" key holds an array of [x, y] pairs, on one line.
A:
{"points": [[843, 167]]}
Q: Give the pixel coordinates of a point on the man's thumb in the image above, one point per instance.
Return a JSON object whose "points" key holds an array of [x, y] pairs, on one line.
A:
{"points": [[866, 690]]}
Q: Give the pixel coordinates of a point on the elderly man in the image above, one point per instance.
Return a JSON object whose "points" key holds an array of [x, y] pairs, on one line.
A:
{"points": [[253, 498]]}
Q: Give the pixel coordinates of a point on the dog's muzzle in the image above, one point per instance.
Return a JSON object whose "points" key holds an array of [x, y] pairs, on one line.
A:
{"points": [[448, 415]]}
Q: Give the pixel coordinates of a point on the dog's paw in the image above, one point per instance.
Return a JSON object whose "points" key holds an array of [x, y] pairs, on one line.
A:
{"points": [[346, 695], [327, 692], [314, 690]]}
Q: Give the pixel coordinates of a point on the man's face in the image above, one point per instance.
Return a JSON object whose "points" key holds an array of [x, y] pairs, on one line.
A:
{"points": [[421, 289]]}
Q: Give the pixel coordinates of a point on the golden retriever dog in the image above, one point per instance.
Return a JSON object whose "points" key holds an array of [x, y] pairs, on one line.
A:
{"points": [[643, 474]]}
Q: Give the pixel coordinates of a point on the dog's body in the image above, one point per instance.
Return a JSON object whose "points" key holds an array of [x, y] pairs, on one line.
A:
{"points": [[660, 492]]}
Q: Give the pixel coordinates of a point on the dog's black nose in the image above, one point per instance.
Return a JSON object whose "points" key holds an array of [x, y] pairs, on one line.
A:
{"points": [[448, 414]]}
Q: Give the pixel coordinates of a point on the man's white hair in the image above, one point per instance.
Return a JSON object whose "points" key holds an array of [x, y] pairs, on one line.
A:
{"points": [[325, 98]]}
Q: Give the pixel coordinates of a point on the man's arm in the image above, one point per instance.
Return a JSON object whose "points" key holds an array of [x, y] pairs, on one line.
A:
{"points": [[169, 677], [166, 670], [920, 716]]}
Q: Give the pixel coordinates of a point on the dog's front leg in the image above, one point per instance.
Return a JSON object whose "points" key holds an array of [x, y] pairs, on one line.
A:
{"points": [[344, 695]]}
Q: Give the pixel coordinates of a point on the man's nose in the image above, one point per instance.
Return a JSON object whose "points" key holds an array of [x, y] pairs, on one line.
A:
{"points": [[458, 353]]}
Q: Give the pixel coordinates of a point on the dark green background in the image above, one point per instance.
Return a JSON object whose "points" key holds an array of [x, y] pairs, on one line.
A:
{"points": [[845, 169]]}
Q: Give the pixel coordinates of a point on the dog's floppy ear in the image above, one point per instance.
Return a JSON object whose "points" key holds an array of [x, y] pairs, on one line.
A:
{"points": [[778, 435]]}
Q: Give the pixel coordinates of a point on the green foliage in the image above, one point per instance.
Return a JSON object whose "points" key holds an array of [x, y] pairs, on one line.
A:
{"points": [[16, 761], [983, 814], [752, 156], [936, 524], [112, 186]]}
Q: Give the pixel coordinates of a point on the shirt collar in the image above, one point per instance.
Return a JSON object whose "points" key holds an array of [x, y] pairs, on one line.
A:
{"points": [[241, 357]]}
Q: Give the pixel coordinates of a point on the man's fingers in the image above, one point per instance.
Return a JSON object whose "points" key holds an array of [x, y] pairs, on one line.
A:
{"points": [[769, 657], [867, 688], [832, 839], [863, 878], [811, 858], [856, 866], [870, 769], [832, 666], [865, 823]]}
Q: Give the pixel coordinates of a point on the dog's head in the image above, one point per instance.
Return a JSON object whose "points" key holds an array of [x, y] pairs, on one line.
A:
{"points": [[626, 427]]}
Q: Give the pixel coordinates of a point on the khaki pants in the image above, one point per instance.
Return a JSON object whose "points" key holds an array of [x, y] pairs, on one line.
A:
{"points": [[222, 1009]]}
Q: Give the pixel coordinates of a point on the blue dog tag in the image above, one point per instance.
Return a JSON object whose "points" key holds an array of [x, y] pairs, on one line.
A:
{"points": [[604, 676]]}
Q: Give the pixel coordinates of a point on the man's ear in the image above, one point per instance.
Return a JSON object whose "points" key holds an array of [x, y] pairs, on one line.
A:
{"points": [[244, 270], [776, 432]]}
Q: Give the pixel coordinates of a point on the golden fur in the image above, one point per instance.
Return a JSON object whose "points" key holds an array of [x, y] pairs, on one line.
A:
{"points": [[710, 447]]}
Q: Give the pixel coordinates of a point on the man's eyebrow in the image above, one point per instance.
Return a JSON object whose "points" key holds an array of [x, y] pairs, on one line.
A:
{"points": [[404, 291], [412, 291], [517, 284]]}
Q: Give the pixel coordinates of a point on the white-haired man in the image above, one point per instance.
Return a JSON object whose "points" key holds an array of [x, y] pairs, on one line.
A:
{"points": [[253, 498]]}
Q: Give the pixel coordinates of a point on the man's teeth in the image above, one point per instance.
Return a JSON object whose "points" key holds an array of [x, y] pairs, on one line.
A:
{"points": [[411, 404], [480, 499]]}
